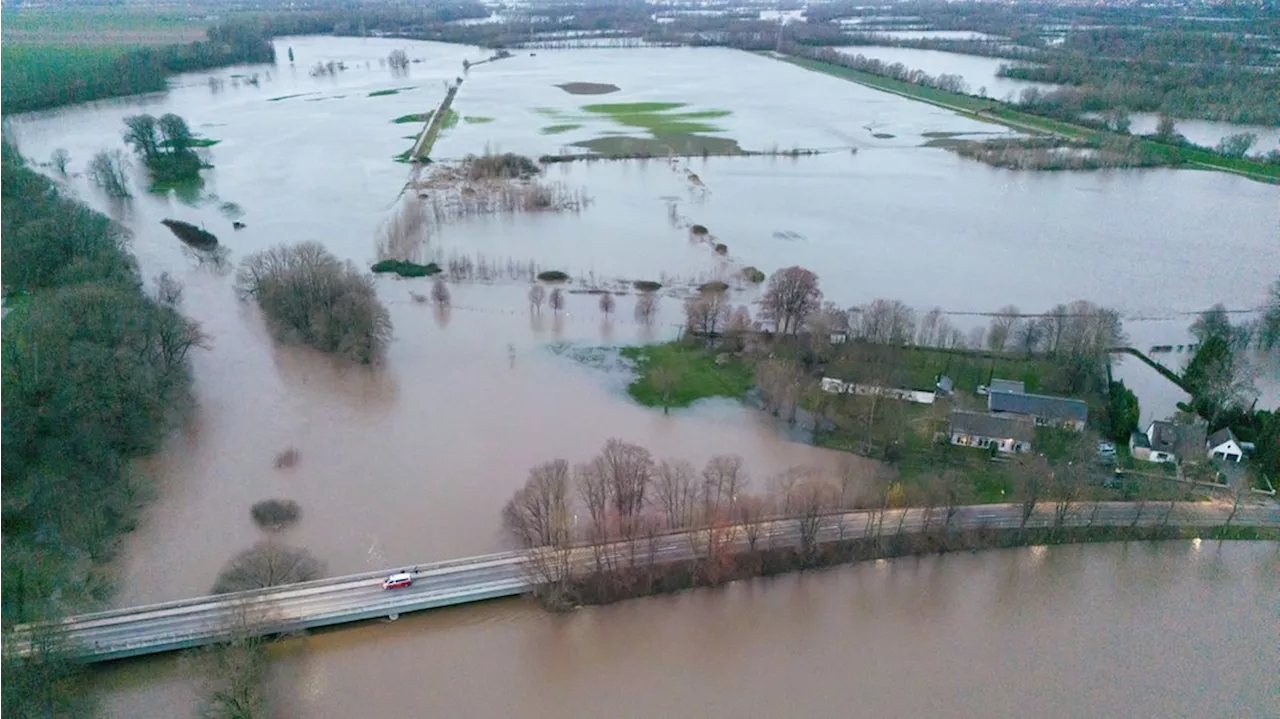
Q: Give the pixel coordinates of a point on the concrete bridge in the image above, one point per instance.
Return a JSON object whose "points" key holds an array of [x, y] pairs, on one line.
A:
{"points": [[188, 623]]}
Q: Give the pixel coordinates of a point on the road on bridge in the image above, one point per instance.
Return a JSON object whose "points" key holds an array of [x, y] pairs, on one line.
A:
{"points": [[204, 620]]}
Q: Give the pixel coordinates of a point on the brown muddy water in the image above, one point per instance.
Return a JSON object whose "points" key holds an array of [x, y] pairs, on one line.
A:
{"points": [[1167, 629], [412, 460]]}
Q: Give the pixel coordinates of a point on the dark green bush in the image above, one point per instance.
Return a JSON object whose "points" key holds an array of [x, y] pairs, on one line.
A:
{"points": [[405, 268]]}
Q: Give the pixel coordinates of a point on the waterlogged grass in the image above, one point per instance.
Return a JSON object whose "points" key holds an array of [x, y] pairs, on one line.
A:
{"points": [[477, 119], [390, 91], [625, 146], [695, 372], [287, 97], [657, 118], [413, 117], [631, 108], [560, 129], [449, 119]]}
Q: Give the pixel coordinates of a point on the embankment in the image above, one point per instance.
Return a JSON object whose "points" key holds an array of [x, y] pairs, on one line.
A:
{"points": [[422, 148], [1164, 371]]}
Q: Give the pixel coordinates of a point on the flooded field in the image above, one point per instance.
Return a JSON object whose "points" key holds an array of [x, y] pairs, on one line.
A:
{"points": [[1209, 134], [412, 460], [979, 72]]}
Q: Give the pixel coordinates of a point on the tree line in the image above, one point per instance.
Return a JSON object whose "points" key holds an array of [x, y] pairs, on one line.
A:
{"points": [[95, 371], [602, 530], [39, 78]]}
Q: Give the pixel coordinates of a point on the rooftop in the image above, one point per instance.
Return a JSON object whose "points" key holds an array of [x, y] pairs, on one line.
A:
{"points": [[1038, 405], [1221, 436], [993, 426], [1007, 385]]}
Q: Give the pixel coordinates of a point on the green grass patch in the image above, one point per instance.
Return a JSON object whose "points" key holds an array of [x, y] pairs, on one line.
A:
{"points": [[390, 91], [288, 97], [918, 368], [413, 117], [631, 108], [882, 136], [450, 119], [560, 129], [553, 276], [477, 119], [695, 372], [195, 142]]}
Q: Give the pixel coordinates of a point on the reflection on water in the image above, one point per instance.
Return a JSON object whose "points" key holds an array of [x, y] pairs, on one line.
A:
{"points": [[1139, 629]]}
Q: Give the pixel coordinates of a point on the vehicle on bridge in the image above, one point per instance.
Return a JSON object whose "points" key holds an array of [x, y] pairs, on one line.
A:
{"points": [[396, 581]]}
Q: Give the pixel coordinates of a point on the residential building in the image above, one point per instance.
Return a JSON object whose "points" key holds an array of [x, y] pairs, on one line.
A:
{"points": [[1223, 445], [1010, 434], [1166, 441], [1044, 410]]}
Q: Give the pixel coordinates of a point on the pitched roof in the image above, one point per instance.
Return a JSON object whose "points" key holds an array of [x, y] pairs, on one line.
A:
{"points": [[1007, 385], [992, 426], [1163, 436], [1038, 405], [1138, 439], [1221, 437]]}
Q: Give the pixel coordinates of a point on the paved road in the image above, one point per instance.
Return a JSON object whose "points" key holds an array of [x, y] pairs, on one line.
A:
{"points": [[193, 622]]}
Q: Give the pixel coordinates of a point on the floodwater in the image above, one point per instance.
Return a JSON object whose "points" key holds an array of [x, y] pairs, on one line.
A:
{"points": [[412, 460], [1208, 133], [979, 72], [1169, 629]]}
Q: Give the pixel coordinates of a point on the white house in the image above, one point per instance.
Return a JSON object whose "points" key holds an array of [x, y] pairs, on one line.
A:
{"points": [[1224, 445]]}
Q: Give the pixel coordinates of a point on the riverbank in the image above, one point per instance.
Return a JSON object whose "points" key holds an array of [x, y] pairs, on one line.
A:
{"points": [[988, 110]]}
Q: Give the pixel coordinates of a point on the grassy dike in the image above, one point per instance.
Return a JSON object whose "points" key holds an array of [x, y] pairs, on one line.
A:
{"points": [[988, 110]]}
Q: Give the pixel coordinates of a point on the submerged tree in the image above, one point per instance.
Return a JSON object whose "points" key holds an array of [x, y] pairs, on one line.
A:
{"points": [[311, 296], [791, 295], [108, 170]]}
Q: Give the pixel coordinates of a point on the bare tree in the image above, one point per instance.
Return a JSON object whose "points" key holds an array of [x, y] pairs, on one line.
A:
{"points": [[780, 382], [556, 300], [813, 498], [956, 492], [537, 295], [607, 303], [267, 564], [676, 492], [440, 292], [1004, 324], [539, 513], [593, 490], [60, 159], [109, 171], [749, 511], [628, 470], [977, 338], [1029, 336], [737, 326], [887, 322], [168, 290], [1239, 483], [705, 314], [722, 479], [1029, 475], [665, 379], [646, 307], [928, 334], [791, 295]]}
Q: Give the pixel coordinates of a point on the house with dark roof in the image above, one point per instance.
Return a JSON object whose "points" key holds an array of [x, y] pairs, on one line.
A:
{"points": [[1223, 445], [1043, 410], [1166, 441], [1011, 434]]}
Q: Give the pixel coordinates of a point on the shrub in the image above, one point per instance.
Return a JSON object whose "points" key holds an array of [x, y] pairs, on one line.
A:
{"points": [[506, 166], [195, 236], [699, 231], [275, 514], [310, 296], [405, 268], [647, 285], [287, 458], [753, 275], [722, 249], [713, 286], [553, 276]]}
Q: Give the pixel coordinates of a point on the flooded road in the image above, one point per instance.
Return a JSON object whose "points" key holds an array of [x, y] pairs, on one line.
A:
{"points": [[412, 460], [1169, 629]]}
